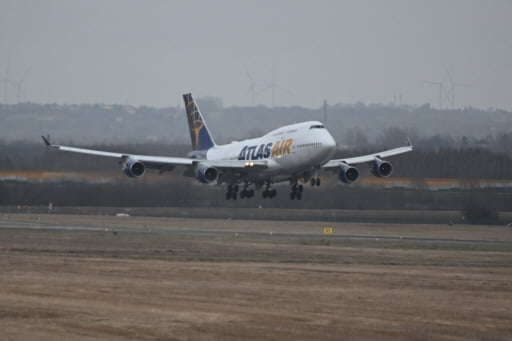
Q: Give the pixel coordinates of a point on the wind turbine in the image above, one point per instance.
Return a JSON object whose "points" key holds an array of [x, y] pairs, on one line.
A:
{"points": [[452, 86], [274, 85], [6, 81], [252, 86], [19, 84]]}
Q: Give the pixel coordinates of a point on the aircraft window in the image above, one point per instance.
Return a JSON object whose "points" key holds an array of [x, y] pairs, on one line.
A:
{"points": [[318, 126]]}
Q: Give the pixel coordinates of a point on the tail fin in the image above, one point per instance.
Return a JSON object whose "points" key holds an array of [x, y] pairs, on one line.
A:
{"points": [[199, 133]]}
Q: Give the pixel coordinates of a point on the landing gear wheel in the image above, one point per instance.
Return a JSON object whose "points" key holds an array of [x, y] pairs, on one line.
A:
{"points": [[271, 193], [318, 181], [232, 192], [268, 192], [245, 192], [312, 182]]}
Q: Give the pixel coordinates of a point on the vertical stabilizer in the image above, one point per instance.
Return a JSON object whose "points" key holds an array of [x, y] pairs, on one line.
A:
{"points": [[199, 133]]}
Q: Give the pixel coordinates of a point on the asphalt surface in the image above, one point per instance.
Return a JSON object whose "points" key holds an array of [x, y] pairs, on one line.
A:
{"points": [[251, 234]]}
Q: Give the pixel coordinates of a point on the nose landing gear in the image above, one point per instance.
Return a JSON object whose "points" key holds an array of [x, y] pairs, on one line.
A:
{"points": [[296, 192], [315, 181]]}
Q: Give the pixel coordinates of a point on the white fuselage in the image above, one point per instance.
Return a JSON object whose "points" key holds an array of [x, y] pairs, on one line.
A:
{"points": [[289, 151]]}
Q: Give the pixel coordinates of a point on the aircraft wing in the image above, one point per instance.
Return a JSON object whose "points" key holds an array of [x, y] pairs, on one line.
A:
{"points": [[165, 162], [147, 159], [368, 158]]}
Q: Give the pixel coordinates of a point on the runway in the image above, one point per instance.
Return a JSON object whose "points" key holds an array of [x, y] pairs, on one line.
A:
{"points": [[467, 235]]}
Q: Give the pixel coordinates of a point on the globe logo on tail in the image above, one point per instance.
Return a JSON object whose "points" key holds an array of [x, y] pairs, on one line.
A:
{"points": [[199, 133], [196, 123]]}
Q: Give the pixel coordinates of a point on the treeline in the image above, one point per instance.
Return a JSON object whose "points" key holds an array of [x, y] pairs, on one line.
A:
{"points": [[119, 124], [471, 160], [500, 143]]}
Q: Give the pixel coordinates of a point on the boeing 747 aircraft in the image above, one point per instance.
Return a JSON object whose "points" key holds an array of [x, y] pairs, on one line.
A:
{"points": [[294, 153]]}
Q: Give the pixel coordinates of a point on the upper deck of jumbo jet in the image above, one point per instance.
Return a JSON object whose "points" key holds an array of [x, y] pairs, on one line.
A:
{"points": [[296, 127]]}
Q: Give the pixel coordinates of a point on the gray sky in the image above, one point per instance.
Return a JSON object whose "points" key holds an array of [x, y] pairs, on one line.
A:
{"points": [[150, 52]]}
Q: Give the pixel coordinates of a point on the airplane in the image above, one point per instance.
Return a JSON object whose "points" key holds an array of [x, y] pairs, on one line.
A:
{"points": [[294, 153]]}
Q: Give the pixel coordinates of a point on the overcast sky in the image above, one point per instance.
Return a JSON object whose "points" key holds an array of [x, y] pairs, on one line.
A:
{"points": [[150, 52]]}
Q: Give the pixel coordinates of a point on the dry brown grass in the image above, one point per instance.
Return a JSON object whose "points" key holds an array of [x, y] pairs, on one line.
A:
{"points": [[148, 282]]}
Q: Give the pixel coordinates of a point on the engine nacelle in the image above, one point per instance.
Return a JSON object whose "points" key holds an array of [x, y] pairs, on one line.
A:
{"points": [[134, 168], [348, 174], [381, 168], [207, 174]]}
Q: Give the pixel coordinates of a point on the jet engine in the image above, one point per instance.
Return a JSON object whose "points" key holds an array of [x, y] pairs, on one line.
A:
{"points": [[134, 168], [381, 168], [348, 174], [207, 174]]}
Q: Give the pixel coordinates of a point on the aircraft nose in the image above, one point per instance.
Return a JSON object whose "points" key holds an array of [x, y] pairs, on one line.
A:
{"points": [[329, 145], [329, 142]]}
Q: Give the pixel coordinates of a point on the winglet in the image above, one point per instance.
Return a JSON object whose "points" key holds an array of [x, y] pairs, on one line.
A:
{"points": [[46, 140], [408, 141]]}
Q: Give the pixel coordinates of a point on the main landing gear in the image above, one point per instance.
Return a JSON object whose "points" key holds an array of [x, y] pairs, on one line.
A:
{"points": [[246, 193], [269, 192], [232, 192]]}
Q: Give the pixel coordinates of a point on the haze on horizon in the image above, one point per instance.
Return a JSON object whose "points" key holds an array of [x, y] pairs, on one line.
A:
{"points": [[149, 53]]}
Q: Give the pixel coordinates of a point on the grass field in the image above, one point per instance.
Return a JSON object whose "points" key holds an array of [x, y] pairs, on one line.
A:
{"points": [[114, 278]]}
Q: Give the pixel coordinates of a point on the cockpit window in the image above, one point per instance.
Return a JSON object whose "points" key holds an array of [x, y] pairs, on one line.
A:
{"points": [[318, 126]]}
